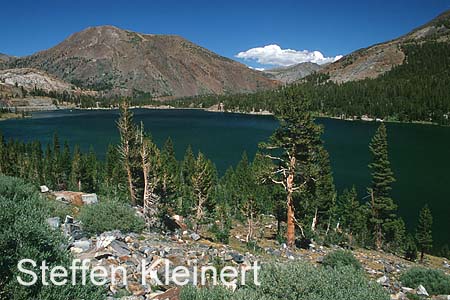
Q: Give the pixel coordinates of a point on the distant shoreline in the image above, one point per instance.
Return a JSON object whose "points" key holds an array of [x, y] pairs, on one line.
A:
{"points": [[214, 110]]}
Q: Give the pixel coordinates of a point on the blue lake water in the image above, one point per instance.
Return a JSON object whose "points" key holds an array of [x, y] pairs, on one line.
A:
{"points": [[420, 154]]}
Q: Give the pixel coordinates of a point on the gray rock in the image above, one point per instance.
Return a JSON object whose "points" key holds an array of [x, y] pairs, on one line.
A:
{"points": [[68, 220], [54, 223], [446, 265], [82, 244], [237, 258], [228, 257], [120, 248], [44, 189], [407, 290], [194, 236], [89, 199], [421, 291], [384, 281], [388, 268]]}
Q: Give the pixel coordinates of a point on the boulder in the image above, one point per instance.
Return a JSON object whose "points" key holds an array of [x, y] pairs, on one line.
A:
{"points": [[89, 199], [44, 189], [194, 236], [237, 258], [54, 223], [120, 248], [384, 281], [421, 291], [82, 244]]}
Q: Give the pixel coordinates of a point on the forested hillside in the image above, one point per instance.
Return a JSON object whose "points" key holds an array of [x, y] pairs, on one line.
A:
{"points": [[416, 90]]}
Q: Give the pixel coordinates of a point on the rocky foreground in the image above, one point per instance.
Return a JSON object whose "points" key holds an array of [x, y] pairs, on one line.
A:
{"points": [[185, 248]]}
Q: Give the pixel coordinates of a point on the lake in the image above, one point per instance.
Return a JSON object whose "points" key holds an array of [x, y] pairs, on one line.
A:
{"points": [[420, 154]]}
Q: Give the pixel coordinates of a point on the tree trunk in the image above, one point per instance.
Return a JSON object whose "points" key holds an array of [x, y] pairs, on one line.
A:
{"points": [[314, 222], [290, 235], [250, 227], [378, 233], [199, 213], [130, 184]]}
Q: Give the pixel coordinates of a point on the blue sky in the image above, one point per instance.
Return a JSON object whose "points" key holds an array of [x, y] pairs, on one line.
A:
{"points": [[225, 27]]}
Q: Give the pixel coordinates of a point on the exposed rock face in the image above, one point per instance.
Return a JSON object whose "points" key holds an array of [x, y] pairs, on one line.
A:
{"points": [[122, 62], [293, 73], [378, 59], [32, 78]]}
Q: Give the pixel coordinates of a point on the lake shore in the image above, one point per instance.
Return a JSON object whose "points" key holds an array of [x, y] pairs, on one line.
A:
{"points": [[213, 109]]}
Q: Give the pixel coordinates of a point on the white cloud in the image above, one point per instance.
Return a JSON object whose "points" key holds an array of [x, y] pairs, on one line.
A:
{"points": [[274, 55], [257, 69]]}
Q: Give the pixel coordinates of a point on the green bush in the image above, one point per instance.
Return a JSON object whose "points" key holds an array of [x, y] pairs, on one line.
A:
{"points": [[434, 281], [24, 234], [297, 281], [341, 258], [110, 215]]}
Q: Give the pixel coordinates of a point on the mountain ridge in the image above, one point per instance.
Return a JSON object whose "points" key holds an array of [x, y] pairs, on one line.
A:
{"points": [[122, 62], [377, 59], [293, 72]]}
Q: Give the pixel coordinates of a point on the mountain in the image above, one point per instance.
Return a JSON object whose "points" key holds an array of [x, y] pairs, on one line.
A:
{"points": [[378, 59], [4, 57], [292, 73], [122, 62], [4, 60]]}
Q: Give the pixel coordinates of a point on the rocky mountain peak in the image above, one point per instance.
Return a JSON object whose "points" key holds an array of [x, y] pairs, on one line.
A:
{"points": [[122, 62]]}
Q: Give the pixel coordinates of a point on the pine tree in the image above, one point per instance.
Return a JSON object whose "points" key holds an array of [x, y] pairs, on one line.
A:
{"points": [[48, 167], [169, 172], [76, 169], [410, 248], [424, 235], [129, 150], [151, 167], [113, 172], [188, 166], [348, 211], [185, 189], [56, 161], [65, 165], [323, 192], [292, 148], [3, 153], [242, 185], [89, 172], [382, 205], [247, 192], [36, 163], [203, 180]]}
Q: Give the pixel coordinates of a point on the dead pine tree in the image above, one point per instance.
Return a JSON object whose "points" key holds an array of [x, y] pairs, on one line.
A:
{"points": [[292, 149]]}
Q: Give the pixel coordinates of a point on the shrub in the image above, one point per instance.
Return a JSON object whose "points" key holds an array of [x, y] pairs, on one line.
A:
{"points": [[341, 258], [25, 234], [221, 233], [434, 281], [299, 281], [110, 215]]}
